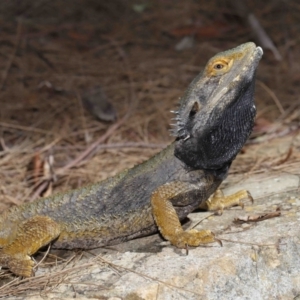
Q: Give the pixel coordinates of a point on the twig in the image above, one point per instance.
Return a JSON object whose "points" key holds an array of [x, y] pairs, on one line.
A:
{"points": [[26, 128], [3, 145], [273, 96], [39, 190], [115, 146], [92, 147], [41, 56], [247, 243], [82, 117], [9, 284], [212, 214], [123, 55], [110, 130], [149, 277], [261, 35], [10, 61], [44, 257]]}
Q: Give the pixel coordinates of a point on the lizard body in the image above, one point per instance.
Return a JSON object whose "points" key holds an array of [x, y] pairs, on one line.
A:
{"points": [[116, 210], [214, 119]]}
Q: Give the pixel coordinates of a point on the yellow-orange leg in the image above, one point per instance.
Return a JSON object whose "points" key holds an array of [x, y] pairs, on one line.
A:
{"points": [[168, 222], [30, 236], [218, 202]]}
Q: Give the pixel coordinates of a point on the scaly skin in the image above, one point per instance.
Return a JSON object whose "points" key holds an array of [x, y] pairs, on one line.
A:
{"points": [[157, 193]]}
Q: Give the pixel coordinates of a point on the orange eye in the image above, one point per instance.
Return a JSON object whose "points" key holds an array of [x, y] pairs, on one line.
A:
{"points": [[218, 66]]}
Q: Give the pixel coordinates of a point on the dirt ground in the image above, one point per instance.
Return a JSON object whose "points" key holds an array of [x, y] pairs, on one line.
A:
{"points": [[54, 52]]}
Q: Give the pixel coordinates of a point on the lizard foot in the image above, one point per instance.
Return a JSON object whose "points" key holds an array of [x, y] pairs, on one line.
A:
{"points": [[30, 236], [218, 202], [19, 264], [193, 238]]}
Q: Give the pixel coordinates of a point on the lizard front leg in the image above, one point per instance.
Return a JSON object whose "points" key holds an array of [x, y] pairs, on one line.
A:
{"points": [[30, 236], [168, 222], [167, 219]]}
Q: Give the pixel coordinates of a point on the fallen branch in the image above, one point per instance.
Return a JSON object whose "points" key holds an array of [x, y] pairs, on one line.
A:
{"points": [[250, 19], [257, 218]]}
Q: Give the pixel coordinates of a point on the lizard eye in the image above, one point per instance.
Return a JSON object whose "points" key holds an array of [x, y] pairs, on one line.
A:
{"points": [[218, 66]]}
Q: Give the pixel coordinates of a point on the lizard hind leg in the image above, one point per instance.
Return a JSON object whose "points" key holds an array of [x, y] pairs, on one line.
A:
{"points": [[31, 235], [167, 219], [218, 202]]}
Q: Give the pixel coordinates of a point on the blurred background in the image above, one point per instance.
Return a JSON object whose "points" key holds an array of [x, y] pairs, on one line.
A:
{"points": [[86, 86]]}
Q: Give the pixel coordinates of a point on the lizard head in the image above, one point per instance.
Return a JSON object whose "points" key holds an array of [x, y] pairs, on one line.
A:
{"points": [[217, 112]]}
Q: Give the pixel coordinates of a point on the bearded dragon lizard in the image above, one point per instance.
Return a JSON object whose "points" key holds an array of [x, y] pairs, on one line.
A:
{"points": [[214, 120]]}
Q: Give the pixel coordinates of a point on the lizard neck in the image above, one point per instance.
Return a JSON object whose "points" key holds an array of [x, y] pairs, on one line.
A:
{"points": [[216, 147]]}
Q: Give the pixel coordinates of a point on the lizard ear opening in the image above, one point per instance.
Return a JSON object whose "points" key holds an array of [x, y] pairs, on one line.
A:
{"points": [[195, 109]]}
